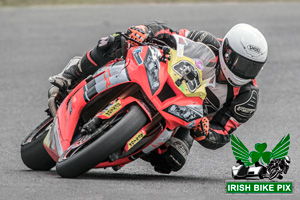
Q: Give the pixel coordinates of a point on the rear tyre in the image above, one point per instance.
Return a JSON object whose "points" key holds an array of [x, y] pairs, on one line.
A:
{"points": [[33, 153], [81, 158]]}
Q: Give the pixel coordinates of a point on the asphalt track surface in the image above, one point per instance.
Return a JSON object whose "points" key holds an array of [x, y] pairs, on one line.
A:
{"points": [[37, 42]]}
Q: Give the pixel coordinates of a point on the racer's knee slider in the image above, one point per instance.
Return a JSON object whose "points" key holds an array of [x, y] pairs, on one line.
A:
{"points": [[179, 149]]}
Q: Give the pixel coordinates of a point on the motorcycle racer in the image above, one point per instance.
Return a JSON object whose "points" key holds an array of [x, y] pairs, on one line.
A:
{"points": [[241, 56]]}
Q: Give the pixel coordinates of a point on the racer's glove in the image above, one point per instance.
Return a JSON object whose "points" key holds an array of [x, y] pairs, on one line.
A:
{"points": [[137, 33], [201, 130]]}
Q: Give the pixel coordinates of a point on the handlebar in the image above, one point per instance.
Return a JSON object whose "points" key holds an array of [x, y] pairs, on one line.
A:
{"points": [[154, 41]]}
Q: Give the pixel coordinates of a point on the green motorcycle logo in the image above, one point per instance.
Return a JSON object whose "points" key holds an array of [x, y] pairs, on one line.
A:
{"points": [[260, 155]]}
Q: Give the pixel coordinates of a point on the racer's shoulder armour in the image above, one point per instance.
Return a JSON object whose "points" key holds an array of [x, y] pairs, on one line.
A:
{"points": [[244, 104]]}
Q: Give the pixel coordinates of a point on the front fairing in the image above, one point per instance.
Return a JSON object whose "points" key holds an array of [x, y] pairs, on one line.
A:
{"points": [[180, 105], [73, 107], [52, 141]]}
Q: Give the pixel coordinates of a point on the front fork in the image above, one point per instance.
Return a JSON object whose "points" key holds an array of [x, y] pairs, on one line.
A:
{"points": [[157, 134]]}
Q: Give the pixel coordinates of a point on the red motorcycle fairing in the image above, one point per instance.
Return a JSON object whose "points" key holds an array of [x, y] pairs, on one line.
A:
{"points": [[118, 104], [108, 76], [140, 103], [143, 67], [69, 112], [164, 95], [64, 124]]}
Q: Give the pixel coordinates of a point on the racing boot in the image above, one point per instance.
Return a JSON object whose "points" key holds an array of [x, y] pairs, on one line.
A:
{"points": [[107, 49], [179, 149], [65, 80], [78, 68], [69, 76], [175, 157]]}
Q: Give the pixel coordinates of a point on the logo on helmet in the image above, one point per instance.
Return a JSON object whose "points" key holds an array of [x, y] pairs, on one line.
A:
{"points": [[254, 48]]}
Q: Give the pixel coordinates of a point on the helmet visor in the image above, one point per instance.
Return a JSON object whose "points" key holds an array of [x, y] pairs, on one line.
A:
{"points": [[239, 65]]}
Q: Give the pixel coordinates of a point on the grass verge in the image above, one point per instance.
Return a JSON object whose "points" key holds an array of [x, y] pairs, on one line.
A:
{"points": [[66, 2]]}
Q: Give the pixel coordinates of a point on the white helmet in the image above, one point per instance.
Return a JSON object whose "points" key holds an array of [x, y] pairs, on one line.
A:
{"points": [[243, 53]]}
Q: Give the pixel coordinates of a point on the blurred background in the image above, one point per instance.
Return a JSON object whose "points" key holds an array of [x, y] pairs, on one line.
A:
{"points": [[37, 41], [64, 2]]}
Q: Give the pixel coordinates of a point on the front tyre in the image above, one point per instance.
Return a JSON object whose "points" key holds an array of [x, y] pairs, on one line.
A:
{"points": [[78, 159], [274, 172], [33, 153]]}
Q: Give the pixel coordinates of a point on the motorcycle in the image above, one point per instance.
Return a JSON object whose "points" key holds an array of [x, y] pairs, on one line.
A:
{"points": [[126, 110], [278, 167]]}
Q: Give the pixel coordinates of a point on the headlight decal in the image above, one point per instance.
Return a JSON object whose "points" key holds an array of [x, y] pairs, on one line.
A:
{"points": [[152, 66], [187, 113]]}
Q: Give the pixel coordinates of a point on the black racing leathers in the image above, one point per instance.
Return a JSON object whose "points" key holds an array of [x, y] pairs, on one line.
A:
{"points": [[239, 107], [107, 49], [228, 107]]}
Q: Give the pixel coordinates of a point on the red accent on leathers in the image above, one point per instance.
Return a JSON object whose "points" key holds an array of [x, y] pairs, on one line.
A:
{"points": [[164, 31], [254, 82], [231, 124], [90, 59], [183, 32], [219, 131], [236, 91]]}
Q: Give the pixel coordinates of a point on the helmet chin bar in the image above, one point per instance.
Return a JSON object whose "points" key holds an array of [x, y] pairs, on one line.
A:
{"points": [[220, 75], [234, 83], [232, 79]]}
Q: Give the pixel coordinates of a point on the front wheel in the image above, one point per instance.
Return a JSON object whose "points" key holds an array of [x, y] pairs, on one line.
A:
{"points": [[274, 172], [33, 153], [88, 151]]}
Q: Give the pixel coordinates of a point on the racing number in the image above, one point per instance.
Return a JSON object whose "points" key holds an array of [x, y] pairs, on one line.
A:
{"points": [[193, 84]]}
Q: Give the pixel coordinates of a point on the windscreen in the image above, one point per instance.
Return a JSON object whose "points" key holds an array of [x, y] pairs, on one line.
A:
{"points": [[204, 58]]}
